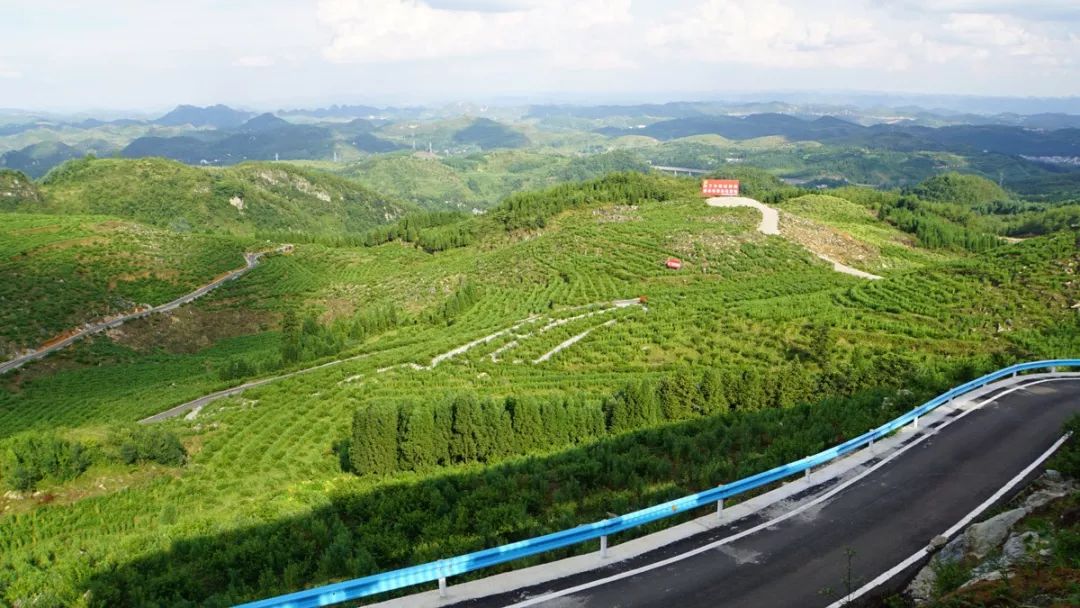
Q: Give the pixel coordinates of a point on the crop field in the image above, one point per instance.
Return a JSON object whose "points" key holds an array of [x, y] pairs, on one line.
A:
{"points": [[578, 307]]}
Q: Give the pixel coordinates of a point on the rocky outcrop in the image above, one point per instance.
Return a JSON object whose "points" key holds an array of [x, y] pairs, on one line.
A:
{"points": [[980, 542]]}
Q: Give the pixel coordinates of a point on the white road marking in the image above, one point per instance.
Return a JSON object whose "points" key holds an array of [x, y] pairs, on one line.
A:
{"points": [[907, 563], [820, 499]]}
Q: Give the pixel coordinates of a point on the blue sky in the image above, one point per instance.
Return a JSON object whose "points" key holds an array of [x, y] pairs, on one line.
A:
{"points": [[126, 54]]}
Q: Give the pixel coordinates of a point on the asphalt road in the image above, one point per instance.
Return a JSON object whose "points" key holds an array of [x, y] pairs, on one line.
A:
{"points": [[887, 516], [251, 260]]}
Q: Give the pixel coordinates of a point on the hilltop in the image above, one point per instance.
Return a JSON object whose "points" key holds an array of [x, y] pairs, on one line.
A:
{"points": [[487, 134], [482, 180], [240, 200], [218, 116]]}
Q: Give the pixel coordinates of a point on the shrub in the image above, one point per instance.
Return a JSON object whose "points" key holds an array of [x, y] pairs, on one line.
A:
{"points": [[28, 459], [142, 444]]}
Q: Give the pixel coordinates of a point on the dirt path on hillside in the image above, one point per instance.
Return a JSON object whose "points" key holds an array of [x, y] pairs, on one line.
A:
{"points": [[770, 218], [251, 260], [770, 224]]}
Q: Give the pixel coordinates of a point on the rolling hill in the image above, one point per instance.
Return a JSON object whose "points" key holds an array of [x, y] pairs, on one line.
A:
{"points": [[59, 271], [239, 200], [36, 160], [482, 180], [488, 134]]}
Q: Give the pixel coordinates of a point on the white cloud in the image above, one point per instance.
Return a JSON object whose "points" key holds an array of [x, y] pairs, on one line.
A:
{"points": [[9, 73], [770, 33], [254, 61], [368, 31]]}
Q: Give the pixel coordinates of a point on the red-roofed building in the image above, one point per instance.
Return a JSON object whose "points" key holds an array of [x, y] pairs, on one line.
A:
{"points": [[674, 263], [720, 187]]}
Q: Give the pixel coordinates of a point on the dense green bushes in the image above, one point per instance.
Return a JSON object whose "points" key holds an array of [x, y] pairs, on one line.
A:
{"points": [[143, 444], [533, 209], [932, 226], [30, 458], [390, 436], [431, 231], [957, 188], [33, 457]]}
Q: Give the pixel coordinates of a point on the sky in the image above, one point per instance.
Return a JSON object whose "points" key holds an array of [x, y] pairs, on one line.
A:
{"points": [[267, 54]]}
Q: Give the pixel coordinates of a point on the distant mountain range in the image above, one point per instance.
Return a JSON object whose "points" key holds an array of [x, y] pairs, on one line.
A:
{"points": [[264, 137], [36, 160], [902, 137], [219, 117]]}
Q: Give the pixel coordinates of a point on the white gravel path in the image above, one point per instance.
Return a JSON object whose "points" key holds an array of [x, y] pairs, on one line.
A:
{"points": [[770, 224]]}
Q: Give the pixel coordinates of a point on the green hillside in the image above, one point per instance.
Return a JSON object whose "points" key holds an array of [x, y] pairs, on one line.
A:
{"points": [[16, 190], [960, 189], [57, 272], [753, 353], [482, 180], [240, 200], [488, 134]]}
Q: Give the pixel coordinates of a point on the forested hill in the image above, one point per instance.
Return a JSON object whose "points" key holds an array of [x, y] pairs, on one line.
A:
{"points": [[830, 130], [240, 200]]}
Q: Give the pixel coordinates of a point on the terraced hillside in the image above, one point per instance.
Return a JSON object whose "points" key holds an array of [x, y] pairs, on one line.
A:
{"points": [[240, 200], [556, 302], [57, 272]]}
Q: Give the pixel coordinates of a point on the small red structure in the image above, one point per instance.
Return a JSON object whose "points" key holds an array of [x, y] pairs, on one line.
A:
{"points": [[720, 187], [674, 263]]}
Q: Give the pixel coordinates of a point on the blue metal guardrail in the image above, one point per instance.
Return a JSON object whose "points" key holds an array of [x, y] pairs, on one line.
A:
{"points": [[441, 569]]}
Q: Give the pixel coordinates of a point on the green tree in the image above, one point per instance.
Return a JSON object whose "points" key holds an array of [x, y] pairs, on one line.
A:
{"points": [[418, 438], [291, 347], [469, 440], [713, 392], [678, 394], [528, 423], [374, 446]]}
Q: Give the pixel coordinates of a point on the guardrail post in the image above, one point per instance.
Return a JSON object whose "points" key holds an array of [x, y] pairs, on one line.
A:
{"points": [[915, 424], [871, 438], [806, 472], [720, 509], [442, 586], [603, 547]]}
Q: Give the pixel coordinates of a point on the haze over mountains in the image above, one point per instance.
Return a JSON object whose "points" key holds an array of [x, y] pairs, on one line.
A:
{"points": [[220, 135]]}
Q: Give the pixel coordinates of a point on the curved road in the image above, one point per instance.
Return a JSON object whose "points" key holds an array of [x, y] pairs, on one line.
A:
{"points": [[251, 260], [883, 518]]}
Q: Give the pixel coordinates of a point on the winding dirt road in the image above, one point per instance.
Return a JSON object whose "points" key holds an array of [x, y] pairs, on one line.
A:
{"points": [[251, 260], [770, 224]]}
